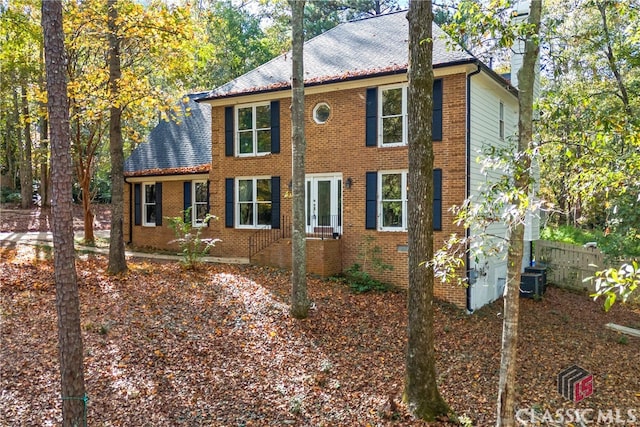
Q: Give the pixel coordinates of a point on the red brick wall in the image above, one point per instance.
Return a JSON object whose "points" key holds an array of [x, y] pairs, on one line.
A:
{"points": [[339, 146], [158, 236], [324, 257]]}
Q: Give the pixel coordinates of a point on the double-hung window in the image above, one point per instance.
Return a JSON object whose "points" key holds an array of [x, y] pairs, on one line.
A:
{"points": [[200, 204], [386, 200], [149, 205], [393, 116], [501, 121], [253, 133], [393, 200], [254, 202]]}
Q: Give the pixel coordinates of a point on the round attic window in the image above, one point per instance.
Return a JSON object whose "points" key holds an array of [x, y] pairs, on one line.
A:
{"points": [[321, 112]]}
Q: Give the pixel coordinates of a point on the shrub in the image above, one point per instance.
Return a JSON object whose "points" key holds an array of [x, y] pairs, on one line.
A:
{"points": [[192, 246], [358, 277], [360, 281], [10, 196]]}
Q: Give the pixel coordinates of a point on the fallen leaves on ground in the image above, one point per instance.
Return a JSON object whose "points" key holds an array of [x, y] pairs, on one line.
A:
{"points": [[17, 220], [217, 347]]}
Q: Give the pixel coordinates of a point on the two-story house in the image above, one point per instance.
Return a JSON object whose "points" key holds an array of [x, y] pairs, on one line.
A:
{"points": [[356, 157]]}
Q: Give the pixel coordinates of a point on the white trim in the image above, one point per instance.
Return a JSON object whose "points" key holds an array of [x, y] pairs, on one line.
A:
{"points": [[315, 111], [254, 202], [403, 199], [336, 202], [403, 115], [144, 203], [501, 126], [194, 203], [338, 86], [254, 129]]}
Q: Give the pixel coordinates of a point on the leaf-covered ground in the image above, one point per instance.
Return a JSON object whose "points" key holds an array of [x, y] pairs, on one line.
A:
{"points": [[167, 347], [12, 218]]}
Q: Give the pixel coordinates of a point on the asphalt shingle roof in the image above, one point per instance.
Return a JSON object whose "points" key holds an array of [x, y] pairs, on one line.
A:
{"points": [[355, 49], [175, 147]]}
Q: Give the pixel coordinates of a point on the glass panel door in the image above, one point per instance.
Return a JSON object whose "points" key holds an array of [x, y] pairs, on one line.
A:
{"points": [[324, 205]]}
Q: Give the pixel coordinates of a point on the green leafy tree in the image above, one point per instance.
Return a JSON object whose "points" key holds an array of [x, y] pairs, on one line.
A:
{"points": [[233, 42], [495, 18], [140, 39], [617, 283], [590, 127], [20, 83]]}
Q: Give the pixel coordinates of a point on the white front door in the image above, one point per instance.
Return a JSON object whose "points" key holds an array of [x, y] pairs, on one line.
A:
{"points": [[324, 204]]}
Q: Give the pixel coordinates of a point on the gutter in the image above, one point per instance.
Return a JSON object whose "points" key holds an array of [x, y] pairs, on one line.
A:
{"points": [[468, 173], [286, 86]]}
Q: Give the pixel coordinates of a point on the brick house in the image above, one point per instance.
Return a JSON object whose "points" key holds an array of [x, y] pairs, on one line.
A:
{"points": [[356, 158]]}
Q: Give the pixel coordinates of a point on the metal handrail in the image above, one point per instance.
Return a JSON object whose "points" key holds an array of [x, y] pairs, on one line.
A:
{"points": [[267, 236]]}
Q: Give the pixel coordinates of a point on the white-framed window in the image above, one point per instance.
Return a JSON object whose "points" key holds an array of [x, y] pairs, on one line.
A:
{"points": [[253, 199], [253, 129], [501, 121], [199, 207], [321, 113], [149, 204], [392, 193], [392, 113]]}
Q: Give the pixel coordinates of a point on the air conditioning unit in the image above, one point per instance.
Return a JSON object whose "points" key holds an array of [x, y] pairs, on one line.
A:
{"points": [[531, 285]]}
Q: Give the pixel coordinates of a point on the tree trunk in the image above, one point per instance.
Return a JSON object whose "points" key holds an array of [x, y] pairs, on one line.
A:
{"points": [[83, 159], [421, 390], [299, 298], [117, 261], [508, 367], [26, 164], [44, 141], [85, 184], [45, 182], [67, 299]]}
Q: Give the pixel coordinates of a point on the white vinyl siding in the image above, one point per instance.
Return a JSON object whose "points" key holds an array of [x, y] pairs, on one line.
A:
{"points": [[486, 125]]}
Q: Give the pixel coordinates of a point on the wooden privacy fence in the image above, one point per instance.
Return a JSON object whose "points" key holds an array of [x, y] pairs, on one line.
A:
{"points": [[568, 265]]}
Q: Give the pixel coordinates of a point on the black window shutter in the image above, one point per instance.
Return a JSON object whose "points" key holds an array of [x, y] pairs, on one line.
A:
{"points": [[437, 199], [208, 205], [228, 202], [208, 192], [228, 131], [371, 200], [437, 110], [158, 203], [187, 200], [372, 117], [137, 201], [275, 202], [275, 127]]}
